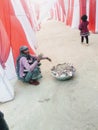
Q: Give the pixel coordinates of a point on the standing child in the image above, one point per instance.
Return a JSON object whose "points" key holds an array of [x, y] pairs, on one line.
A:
{"points": [[83, 27]]}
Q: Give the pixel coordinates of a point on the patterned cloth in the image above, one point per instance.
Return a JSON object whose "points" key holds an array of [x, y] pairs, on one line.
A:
{"points": [[83, 27]]}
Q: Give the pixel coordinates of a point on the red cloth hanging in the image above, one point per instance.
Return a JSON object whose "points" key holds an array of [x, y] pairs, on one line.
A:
{"points": [[70, 12], [82, 7], [11, 32], [92, 15], [4, 45], [62, 4], [4, 32]]}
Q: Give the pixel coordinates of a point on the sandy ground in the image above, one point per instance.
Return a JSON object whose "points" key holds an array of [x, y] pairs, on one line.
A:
{"points": [[58, 105]]}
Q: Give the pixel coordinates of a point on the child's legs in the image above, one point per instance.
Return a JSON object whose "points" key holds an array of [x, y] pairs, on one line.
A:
{"points": [[86, 37], [82, 39]]}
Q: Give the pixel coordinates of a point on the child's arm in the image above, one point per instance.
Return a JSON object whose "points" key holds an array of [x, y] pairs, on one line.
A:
{"points": [[80, 27]]}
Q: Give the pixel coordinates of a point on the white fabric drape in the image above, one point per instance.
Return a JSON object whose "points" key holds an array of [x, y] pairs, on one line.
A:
{"points": [[76, 15], [6, 89]]}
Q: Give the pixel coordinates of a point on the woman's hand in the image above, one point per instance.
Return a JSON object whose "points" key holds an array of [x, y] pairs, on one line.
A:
{"points": [[48, 59], [39, 57]]}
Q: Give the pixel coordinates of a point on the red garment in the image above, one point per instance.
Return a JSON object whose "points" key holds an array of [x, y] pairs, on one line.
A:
{"points": [[83, 27]]}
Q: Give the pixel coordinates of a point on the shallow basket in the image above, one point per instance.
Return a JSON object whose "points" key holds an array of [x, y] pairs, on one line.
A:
{"points": [[63, 71]]}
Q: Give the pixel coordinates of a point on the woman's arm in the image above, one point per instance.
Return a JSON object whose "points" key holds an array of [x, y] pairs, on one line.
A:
{"points": [[26, 65]]}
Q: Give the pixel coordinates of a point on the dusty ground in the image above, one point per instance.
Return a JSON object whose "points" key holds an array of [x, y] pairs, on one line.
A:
{"points": [[57, 105]]}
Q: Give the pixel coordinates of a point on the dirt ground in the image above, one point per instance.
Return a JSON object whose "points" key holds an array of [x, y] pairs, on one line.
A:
{"points": [[58, 105]]}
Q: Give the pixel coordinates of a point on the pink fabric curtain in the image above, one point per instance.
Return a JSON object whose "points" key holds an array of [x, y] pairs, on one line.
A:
{"points": [[82, 7], [62, 5], [27, 11], [58, 11], [70, 12], [12, 33], [4, 45], [92, 15], [32, 11], [4, 32]]}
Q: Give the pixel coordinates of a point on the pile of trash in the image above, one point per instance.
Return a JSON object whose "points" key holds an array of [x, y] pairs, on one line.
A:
{"points": [[63, 71]]}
